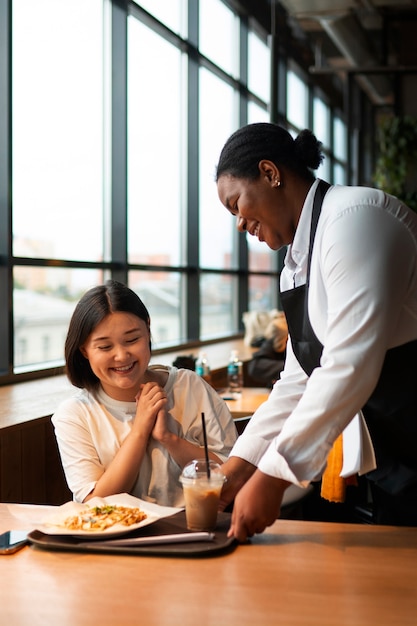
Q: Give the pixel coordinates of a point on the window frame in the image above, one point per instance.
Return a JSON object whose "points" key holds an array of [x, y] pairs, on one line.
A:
{"points": [[117, 266]]}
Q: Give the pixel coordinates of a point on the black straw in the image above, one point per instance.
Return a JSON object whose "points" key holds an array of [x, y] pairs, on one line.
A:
{"points": [[205, 445]]}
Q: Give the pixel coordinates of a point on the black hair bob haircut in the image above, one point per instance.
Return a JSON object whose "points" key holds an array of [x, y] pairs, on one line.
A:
{"points": [[92, 308]]}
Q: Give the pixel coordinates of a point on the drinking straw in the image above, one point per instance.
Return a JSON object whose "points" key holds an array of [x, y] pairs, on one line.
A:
{"points": [[205, 445]]}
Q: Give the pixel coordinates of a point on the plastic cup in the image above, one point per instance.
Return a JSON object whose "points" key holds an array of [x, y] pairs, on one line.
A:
{"points": [[201, 494]]}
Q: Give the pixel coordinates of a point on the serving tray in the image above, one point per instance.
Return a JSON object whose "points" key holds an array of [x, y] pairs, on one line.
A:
{"points": [[174, 524]]}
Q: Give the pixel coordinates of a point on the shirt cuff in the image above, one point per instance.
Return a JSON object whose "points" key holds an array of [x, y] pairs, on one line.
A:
{"points": [[82, 493], [274, 464], [264, 456], [250, 448]]}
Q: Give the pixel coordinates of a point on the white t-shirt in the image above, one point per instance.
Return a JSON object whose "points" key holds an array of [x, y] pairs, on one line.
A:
{"points": [[90, 429], [362, 301]]}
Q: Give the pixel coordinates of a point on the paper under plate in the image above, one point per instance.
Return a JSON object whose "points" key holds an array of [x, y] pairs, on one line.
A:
{"points": [[53, 524]]}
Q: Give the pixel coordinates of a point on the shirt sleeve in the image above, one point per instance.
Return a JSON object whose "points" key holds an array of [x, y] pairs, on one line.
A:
{"points": [[79, 456], [258, 443]]}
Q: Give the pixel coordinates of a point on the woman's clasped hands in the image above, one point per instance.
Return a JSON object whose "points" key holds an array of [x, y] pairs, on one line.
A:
{"points": [[151, 414]]}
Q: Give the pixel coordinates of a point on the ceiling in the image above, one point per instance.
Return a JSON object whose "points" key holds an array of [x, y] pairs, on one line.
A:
{"points": [[373, 40]]}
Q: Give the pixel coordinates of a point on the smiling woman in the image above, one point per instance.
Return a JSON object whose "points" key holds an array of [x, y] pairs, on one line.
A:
{"points": [[132, 427], [352, 337]]}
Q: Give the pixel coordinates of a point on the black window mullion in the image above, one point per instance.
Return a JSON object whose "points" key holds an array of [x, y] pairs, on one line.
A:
{"points": [[192, 288], [240, 240], [119, 140], [6, 276]]}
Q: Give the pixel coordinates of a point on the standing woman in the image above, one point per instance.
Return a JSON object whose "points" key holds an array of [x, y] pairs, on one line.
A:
{"points": [[349, 292], [132, 427]]}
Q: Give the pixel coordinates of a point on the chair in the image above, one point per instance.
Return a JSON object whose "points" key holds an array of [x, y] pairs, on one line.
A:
{"points": [[241, 423]]}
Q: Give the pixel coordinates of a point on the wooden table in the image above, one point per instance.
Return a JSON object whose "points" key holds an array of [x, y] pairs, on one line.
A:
{"points": [[295, 574], [246, 403]]}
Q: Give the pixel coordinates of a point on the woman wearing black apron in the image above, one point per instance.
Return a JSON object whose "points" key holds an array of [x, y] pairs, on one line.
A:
{"points": [[366, 355]]}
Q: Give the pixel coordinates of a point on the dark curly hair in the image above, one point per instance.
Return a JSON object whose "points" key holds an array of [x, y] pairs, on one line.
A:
{"points": [[93, 307], [253, 143]]}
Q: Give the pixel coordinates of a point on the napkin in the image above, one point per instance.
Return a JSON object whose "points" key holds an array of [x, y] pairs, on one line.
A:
{"points": [[333, 486], [352, 453]]}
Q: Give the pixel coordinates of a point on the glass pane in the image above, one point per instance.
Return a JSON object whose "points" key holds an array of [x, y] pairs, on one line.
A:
{"points": [[155, 157], [256, 113], [321, 121], [324, 170], [43, 300], [261, 258], [161, 294], [217, 122], [339, 176], [340, 145], [172, 13], [217, 305], [222, 49], [263, 293], [297, 101], [259, 64], [58, 129]]}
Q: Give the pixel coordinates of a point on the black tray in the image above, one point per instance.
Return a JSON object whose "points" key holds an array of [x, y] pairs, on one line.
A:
{"points": [[166, 526]]}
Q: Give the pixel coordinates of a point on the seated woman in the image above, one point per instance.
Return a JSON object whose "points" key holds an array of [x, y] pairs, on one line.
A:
{"points": [[132, 427], [267, 363]]}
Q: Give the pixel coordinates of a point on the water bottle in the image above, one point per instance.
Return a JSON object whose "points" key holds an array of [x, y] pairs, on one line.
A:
{"points": [[202, 367], [235, 373]]}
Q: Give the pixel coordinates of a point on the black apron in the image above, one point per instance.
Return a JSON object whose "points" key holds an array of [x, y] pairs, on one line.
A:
{"points": [[391, 411]]}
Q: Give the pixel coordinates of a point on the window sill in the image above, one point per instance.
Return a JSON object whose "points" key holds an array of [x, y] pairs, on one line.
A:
{"points": [[33, 400]]}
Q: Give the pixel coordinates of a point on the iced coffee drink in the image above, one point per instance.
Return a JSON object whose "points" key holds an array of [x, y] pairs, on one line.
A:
{"points": [[201, 494]]}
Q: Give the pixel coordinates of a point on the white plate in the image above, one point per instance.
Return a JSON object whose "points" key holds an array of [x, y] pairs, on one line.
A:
{"points": [[53, 524]]}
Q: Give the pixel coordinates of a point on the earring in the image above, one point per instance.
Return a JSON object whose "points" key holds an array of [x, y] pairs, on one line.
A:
{"points": [[277, 183]]}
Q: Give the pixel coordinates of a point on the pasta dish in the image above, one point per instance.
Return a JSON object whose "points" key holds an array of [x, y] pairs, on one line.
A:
{"points": [[102, 517]]}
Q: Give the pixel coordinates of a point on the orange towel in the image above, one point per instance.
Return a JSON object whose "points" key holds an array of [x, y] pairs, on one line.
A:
{"points": [[333, 486]]}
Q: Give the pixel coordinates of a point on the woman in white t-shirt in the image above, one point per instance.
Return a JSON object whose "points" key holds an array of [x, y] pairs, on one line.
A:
{"points": [[132, 427]]}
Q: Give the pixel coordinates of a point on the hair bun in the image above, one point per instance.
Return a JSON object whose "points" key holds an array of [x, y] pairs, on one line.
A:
{"points": [[308, 149]]}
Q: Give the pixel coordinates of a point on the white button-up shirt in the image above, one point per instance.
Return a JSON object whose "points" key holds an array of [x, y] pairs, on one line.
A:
{"points": [[362, 301]]}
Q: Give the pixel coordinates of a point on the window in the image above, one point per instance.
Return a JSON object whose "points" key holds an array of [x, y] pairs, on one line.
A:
{"points": [[43, 302], [155, 149], [321, 128], [119, 113], [161, 292], [340, 143], [321, 122], [259, 67], [57, 130], [217, 120], [216, 17], [218, 298], [173, 13], [297, 101], [58, 185], [340, 151], [257, 113], [263, 291]]}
